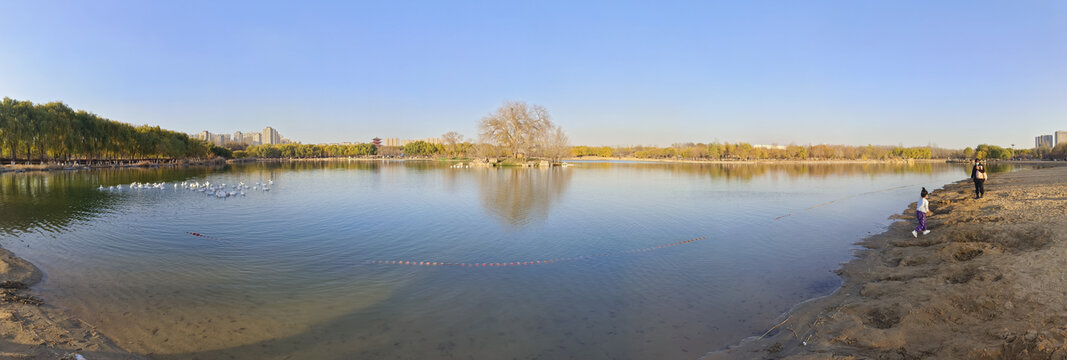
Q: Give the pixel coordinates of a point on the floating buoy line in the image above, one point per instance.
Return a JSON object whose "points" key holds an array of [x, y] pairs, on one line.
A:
{"points": [[204, 236]]}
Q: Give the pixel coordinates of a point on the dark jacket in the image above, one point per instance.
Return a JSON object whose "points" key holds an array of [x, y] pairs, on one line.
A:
{"points": [[974, 172]]}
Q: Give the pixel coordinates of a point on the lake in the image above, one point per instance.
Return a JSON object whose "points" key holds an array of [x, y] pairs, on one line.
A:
{"points": [[418, 260]]}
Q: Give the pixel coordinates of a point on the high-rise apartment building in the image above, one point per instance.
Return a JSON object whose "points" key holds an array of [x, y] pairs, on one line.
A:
{"points": [[1044, 141], [1061, 137], [271, 136]]}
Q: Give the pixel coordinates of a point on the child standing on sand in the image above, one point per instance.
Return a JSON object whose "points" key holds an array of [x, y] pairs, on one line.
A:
{"points": [[921, 209]]}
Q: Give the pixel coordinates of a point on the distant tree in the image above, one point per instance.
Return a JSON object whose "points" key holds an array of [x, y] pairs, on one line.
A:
{"points": [[419, 148], [451, 141], [1059, 152], [557, 145], [968, 153], [221, 152], [516, 127]]}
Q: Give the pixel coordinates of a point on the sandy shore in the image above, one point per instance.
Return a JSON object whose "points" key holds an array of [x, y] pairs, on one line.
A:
{"points": [[32, 329], [988, 282]]}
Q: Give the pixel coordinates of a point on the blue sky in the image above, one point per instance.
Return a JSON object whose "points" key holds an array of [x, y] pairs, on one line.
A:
{"points": [[952, 73]]}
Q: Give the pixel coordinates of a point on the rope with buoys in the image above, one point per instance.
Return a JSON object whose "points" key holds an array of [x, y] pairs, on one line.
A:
{"points": [[204, 236], [528, 262]]}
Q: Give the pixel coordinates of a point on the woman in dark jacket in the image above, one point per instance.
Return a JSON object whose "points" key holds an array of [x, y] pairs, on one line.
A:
{"points": [[978, 175]]}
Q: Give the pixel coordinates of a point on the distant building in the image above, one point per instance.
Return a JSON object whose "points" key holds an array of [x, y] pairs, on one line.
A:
{"points": [[1061, 137], [376, 141], [1044, 140], [219, 139], [267, 136], [435, 141], [777, 147], [392, 141], [271, 136]]}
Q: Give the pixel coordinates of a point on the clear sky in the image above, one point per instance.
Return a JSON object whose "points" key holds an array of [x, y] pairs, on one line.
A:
{"points": [[951, 73]]}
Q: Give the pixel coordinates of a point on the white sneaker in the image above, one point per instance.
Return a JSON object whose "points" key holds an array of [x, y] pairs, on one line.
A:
{"points": [[915, 234], [926, 232]]}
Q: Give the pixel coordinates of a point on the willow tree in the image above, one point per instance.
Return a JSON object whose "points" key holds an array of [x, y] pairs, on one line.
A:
{"points": [[518, 128]]}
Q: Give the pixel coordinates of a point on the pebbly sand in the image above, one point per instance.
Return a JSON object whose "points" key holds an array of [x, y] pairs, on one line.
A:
{"points": [[988, 282]]}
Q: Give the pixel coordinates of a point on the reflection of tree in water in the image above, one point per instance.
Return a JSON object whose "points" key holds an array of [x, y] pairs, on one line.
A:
{"points": [[749, 171], [53, 201], [521, 196]]}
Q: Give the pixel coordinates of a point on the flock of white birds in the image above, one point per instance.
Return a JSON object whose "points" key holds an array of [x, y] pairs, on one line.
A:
{"points": [[217, 190]]}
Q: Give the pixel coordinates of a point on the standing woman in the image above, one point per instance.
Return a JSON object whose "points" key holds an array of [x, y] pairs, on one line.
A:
{"points": [[979, 176]]}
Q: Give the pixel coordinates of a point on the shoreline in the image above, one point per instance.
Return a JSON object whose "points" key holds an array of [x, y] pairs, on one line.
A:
{"points": [[117, 164], [979, 286], [31, 328]]}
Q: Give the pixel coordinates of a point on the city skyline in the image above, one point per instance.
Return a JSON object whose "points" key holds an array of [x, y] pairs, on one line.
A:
{"points": [[910, 73]]}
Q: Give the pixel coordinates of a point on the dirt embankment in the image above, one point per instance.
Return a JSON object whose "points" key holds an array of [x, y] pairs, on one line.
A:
{"points": [[988, 282], [31, 329]]}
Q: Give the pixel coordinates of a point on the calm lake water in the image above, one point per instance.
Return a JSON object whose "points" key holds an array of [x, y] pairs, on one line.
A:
{"points": [[298, 272]]}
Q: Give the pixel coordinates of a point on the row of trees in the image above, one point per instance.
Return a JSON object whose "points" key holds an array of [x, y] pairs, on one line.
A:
{"points": [[305, 151], [55, 132], [746, 151], [417, 148]]}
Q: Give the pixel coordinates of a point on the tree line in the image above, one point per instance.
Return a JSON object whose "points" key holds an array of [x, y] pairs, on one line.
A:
{"points": [[55, 132], [746, 151]]}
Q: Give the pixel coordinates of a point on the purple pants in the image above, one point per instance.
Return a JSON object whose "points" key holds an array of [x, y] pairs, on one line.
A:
{"points": [[922, 221]]}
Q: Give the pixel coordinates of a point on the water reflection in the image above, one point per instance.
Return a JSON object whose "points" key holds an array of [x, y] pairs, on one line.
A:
{"points": [[53, 201], [748, 172], [521, 196]]}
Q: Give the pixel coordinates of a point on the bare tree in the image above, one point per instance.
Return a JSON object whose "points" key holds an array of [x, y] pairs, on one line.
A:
{"points": [[483, 150], [557, 145], [451, 139], [517, 127]]}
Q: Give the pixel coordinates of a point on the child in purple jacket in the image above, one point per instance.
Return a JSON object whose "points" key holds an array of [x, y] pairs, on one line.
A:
{"points": [[921, 209]]}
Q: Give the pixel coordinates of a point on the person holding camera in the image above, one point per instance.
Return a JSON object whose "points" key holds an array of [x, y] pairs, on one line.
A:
{"points": [[978, 175]]}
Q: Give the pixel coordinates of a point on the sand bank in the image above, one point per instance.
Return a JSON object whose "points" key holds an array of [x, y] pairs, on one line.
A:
{"points": [[32, 329], [988, 282]]}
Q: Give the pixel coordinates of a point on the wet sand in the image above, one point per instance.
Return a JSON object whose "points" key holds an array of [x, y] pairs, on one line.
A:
{"points": [[988, 282], [32, 329]]}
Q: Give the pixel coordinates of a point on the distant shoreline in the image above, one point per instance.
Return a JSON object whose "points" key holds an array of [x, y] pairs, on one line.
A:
{"points": [[75, 165]]}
